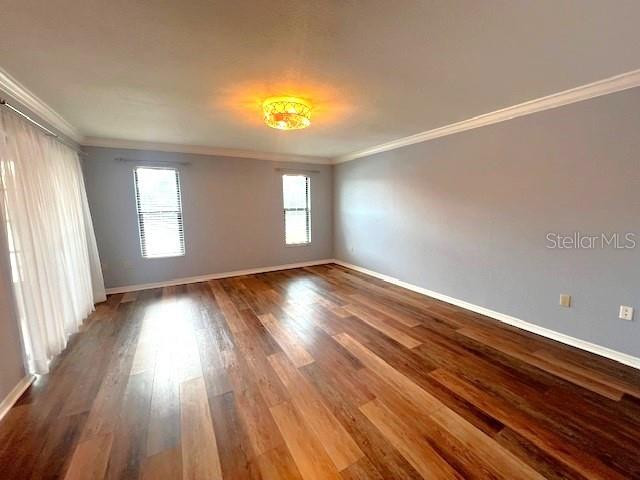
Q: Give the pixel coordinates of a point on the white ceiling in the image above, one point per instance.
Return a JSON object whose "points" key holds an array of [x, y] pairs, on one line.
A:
{"points": [[194, 72]]}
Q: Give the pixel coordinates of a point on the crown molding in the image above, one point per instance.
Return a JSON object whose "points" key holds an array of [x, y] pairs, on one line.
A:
{"points": [[617, 83], [613, 84], [22, 94], [201, 150]]}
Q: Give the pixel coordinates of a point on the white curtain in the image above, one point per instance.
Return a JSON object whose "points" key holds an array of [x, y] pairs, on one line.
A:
{"points": [[55, 264]]}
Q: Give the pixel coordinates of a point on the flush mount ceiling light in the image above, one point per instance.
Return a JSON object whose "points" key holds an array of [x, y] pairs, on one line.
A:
{"points": [[287, 113]]}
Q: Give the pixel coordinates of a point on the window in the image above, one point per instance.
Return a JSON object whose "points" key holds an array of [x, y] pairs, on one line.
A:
{"points": [[7, 168], [296, 194], [159, 212]]}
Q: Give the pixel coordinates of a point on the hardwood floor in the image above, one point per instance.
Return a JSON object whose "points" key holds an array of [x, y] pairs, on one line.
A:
{"points": [[318, 373]]}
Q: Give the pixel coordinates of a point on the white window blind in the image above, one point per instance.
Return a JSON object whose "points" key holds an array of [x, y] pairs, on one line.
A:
{"points": [[159, 212], [296, 193]]}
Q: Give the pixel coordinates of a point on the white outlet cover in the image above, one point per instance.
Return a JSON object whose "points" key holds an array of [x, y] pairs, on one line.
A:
{"points": [[626, 313], [565, 300]]}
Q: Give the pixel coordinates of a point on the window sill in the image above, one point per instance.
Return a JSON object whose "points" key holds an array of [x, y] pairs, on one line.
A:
{"points": [[161, 257], [293, 245]]}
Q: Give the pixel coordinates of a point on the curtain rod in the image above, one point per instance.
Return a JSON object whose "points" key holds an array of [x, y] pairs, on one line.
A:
{"points": [[142, 161], [46, 131], [295, 170], [28, 118]]}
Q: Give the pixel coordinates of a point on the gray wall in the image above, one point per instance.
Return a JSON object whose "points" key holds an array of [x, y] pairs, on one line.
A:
{"points": [[232, 211], [11, 359], [467, 216]]}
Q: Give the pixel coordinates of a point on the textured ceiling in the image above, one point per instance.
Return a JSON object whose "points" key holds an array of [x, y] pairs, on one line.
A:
{"points": [[194, 72]]}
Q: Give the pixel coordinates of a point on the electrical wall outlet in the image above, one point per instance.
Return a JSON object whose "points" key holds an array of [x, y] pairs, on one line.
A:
{"points": [[626, 313], [565, 300]]}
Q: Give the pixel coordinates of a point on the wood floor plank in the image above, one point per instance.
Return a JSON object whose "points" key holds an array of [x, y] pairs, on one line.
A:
{"points": [[337, 310], [362, 470], [514, 349], [165, 465], [234, 448], [408, 441], [472, 438], [395, 313], [535, 457], [316, 315], [258, 422], [395, 379], [183, 353], [287, 341], [107, 404], [467, 448], [349, 382], [546, 412], [53, 458], [251, 404], [129, 451], [424, 402], [144, 359], [270, 386], [200, 459], [405, 360], [583, 371], [607, 367], [578, 460], [340, 447], [278, 464], [370, 318], [311, 459], [90, 458], [231, 314], [609, 418], [382, 455], [164, 410], [384, 291]]}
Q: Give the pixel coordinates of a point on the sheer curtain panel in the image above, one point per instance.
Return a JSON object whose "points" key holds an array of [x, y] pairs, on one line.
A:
{"points": [[54, 258]]}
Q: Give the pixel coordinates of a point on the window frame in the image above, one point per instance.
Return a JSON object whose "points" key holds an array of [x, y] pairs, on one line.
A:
{"points": [[139, 218], [15, 255], [307, 209]]}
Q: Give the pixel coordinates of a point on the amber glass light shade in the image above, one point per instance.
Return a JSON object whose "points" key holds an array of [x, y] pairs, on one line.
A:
{"points": [[287, 113]]}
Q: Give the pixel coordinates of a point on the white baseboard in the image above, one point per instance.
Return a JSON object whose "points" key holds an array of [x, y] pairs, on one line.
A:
{"points": [[508, 319], [214, 276], [14, 394]]}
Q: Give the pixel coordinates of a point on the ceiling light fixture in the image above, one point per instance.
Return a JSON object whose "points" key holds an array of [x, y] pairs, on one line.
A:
{"points": [[287, 113]]}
